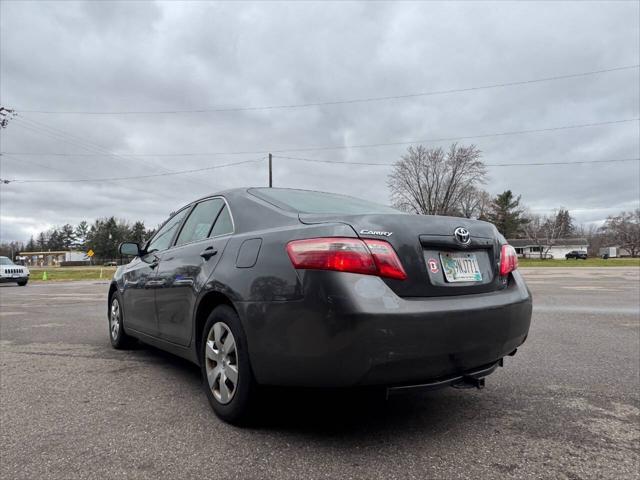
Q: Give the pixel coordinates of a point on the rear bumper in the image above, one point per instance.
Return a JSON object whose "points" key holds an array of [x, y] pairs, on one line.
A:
{"points": [[351, 330], [470, 379]]}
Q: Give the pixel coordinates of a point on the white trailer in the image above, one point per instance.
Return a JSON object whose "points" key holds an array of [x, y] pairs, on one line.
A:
{"points": [[611, 252]]}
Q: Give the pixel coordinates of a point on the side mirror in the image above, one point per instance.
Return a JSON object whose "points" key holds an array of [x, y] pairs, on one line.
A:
{"points": [[129, 248]]}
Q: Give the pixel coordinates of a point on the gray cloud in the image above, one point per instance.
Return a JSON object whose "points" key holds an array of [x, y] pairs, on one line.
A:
{"points": [[178, 55]]}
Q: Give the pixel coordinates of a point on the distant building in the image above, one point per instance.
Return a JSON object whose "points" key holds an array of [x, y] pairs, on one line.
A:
{"points": [[53, 258], [528, 248]]}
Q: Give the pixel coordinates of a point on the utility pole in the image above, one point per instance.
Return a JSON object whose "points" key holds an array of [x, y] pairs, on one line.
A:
{"points": [[270, 172]]}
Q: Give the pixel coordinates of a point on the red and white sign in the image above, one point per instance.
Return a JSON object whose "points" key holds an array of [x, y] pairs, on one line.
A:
{"points": [[433, 265]]}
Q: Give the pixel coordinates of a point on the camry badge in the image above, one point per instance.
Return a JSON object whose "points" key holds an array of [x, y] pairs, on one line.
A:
{"points": [[376, 232], [462, 235]]}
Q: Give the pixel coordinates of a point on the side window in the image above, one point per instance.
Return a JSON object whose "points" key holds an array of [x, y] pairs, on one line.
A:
{"points": [[199, 223], [223, 224], [162, 239]]}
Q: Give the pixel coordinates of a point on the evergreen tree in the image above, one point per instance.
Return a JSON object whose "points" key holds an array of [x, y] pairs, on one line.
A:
{"points": [[54, 241], [138, 233], [105, 235], [81, 232], [42, 241], [506, 214], [67, 236]]}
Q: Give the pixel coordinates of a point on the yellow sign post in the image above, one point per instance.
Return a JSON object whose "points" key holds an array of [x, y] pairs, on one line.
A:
{"points": [[90, 253]]}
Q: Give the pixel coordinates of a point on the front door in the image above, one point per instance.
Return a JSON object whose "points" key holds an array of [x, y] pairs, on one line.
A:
{"points": [[139, 295], [185, 268], [141, 282]]}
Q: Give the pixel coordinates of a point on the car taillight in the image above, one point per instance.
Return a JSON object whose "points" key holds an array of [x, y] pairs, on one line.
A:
{"points": [[369, 257], [508, 260]]}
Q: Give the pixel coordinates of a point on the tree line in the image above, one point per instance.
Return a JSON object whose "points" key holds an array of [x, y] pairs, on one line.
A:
{"points": [[103, 236], [435, 181]]}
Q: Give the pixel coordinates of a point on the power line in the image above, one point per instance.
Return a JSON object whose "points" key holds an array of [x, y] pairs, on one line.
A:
{"points": [[486, 164], [563, 163], [135, 177], [65, 137], [30, 162], [60, 135], [341, 147], [315, 160], [334, 102]]}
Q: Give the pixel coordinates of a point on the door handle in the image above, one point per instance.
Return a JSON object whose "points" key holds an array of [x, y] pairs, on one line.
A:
{"points": [[208, 252]]}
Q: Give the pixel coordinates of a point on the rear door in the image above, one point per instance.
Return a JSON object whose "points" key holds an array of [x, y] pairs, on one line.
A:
{"points": [[185, 268]]}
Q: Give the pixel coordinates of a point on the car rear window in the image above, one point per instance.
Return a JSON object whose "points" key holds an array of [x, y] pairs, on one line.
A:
{"points": [[305, 201]]}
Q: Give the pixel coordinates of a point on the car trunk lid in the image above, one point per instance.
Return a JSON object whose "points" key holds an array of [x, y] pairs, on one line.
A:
{"points": [[424, 244]]}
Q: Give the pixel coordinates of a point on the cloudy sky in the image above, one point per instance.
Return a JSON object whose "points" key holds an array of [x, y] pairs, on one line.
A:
{"points": [[114, 61]]}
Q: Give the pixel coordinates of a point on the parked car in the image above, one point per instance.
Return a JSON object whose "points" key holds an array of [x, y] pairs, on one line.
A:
{"points": [[576, 254], [268, 286], [110, 264], [10, 272]]}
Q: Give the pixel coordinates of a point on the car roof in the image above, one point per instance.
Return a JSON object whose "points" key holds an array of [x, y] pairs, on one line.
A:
{"points": [[245, 191]]}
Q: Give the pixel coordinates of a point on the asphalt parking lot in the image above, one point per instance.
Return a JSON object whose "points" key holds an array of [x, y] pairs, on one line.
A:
{"points": [[566, 406]]}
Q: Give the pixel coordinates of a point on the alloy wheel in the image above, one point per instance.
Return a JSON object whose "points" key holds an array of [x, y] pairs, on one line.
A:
{"points": [[221, 362], [114, 318]]}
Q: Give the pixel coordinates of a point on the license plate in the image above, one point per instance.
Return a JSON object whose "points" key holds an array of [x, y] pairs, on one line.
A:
{"points": [[460, 267]]}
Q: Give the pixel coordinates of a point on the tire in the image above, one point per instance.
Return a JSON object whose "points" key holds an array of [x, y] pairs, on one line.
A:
{"points": [[222, 362], [22, 283], [119, 339]]}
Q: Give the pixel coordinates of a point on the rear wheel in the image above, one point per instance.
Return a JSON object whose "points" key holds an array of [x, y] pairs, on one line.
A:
{"points": [[226, 371], [119, 339]]}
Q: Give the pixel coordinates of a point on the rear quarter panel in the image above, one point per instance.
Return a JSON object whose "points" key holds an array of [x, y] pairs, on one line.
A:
{"points": [[272, 278]]}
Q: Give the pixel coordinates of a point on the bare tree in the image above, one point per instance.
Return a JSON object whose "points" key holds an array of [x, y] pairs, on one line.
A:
{"points": [[595, 237], [474, 203], [544, 231], [534, 231], [431, 181], [624, 229]]}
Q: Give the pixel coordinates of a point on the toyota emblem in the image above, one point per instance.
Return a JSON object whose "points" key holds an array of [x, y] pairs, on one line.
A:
{"points": [[462, 235]]}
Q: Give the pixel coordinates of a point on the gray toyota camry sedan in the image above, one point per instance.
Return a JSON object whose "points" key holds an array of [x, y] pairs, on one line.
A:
{"points": [[270, 286]]}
